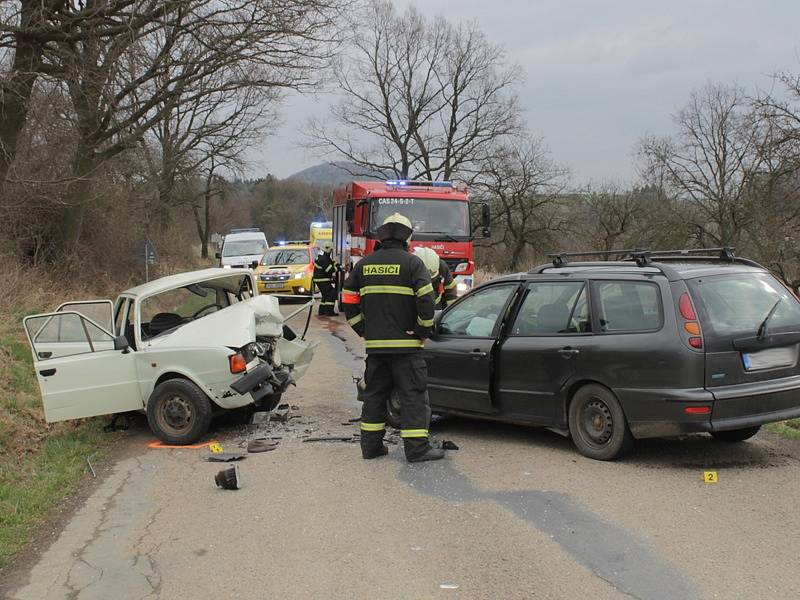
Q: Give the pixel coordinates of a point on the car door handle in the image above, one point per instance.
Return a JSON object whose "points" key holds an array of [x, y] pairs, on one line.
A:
{"points": [[478, 354], [47, 372], [569, 352]]}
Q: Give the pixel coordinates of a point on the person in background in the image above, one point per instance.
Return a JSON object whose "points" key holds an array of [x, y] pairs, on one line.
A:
{"points": [[444, 286], [325, 270]]}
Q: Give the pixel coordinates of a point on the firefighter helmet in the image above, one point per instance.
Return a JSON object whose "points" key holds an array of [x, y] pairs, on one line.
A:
{"points": [[327, 247], [430, 258], [395, 227]]}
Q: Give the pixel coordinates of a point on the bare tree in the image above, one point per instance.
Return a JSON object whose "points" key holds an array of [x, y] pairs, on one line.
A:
{"points": [[423, 98], [523, 186], [710, 163]]}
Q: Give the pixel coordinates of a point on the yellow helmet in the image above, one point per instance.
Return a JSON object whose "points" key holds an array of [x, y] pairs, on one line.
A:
{"points": [[327, 247], [430, 258], [395, 227]]}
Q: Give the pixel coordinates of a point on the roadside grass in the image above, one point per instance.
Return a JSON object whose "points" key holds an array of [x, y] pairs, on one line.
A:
{"points": [[787, 429], [40, 464]]}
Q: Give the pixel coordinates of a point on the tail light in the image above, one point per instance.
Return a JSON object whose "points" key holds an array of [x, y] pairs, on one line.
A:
{"points": [[690, 325], [237, 363]]}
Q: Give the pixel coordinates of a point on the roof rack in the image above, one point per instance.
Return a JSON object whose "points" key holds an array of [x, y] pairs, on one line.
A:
{"points": [[648, 258]]}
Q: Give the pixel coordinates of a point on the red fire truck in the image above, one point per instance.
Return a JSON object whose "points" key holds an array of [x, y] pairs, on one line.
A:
{"points": [[439, 211]]}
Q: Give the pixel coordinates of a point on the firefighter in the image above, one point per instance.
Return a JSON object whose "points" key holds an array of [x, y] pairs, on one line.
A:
{"points": [[325, 270], [388, 300], [444, 286]]}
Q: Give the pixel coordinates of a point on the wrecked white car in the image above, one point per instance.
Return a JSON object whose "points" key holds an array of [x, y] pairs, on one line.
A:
{"points": [[179, 348]]}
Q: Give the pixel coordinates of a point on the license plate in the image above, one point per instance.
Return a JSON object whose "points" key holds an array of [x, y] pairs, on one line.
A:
{"points": [[273, 286], [771, 358]]}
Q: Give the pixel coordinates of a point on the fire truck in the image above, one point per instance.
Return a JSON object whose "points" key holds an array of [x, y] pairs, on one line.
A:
{"points": [[440, 212]]}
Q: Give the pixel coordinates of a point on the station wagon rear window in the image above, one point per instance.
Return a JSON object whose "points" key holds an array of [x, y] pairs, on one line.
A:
{"points": [[628, 306], [738, 304]]}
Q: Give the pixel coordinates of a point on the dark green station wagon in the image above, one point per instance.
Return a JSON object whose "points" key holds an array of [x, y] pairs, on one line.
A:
{"points": [[656, 344]]}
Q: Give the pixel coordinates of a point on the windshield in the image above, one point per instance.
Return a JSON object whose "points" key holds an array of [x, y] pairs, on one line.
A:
{"points": [[285, 257], [428, 216], [243, 247], [738, 304]]}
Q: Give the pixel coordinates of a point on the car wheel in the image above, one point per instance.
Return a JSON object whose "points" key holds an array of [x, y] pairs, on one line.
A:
{"points": [[597, 423], [735, 435], [178, 412]]}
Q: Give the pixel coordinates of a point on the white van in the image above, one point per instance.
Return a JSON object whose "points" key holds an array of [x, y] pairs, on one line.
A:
{"points": [[242, 247]]}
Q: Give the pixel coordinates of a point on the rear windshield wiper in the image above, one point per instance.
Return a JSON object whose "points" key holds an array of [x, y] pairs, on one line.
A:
{"points": [[762, 329]]}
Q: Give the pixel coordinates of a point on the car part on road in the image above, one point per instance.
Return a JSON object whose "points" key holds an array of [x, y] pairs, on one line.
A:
{"points": [[178, 412], [334, 438], [735, 435], [225, 457], [229, 479], [444, 444], [261, 445], [597, 423]]}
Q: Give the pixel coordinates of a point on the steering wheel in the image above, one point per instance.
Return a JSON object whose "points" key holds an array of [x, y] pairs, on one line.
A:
{"points": [[205, 308]]}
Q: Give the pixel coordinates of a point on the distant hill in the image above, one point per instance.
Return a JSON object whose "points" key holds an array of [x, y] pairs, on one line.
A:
{"points": [[331, 174]]}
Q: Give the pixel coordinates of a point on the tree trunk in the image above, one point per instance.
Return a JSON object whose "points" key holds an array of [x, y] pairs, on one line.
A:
{"points": [[76, 199], [516, 254], [16, 90]]}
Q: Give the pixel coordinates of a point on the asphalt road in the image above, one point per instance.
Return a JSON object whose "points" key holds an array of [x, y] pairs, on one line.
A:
{"points": [[515, 513]]}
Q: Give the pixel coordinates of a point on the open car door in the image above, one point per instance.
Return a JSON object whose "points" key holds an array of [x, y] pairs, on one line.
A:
{"points": [[82, 369]]}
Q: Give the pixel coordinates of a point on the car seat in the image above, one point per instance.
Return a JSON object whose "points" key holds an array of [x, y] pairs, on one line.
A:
{"points": [[162, 322], [552, 318]]}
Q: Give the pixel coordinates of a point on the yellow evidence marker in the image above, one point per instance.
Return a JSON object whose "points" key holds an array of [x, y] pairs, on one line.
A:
{"points": [[710, 477], [216, 448]]}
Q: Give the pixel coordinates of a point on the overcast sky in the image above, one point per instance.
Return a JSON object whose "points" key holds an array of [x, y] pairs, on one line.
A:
{"points": [[599, 74]]}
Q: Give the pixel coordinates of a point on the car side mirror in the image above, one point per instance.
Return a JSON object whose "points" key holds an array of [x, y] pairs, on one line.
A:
{"points": [[121, 343], [486, 220], [254, 265], [218, 254]]}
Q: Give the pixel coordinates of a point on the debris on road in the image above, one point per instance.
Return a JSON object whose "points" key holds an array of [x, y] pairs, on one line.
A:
{"points": [[225, 457], [261, 445], [334, 438], [448, 586], [91, 468], [445, 445], [229, 479]]}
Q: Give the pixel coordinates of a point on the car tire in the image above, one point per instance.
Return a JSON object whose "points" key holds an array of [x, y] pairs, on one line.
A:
{"points": [[179, 412], [597, 423], [735, 435]]}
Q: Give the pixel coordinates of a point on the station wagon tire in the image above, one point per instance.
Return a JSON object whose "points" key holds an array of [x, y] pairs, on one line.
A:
{"points": [[597, 423], [178, 412], [735, 435]]}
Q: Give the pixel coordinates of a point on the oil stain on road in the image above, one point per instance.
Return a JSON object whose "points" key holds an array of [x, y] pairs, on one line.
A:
{"points": [[611, 553]]}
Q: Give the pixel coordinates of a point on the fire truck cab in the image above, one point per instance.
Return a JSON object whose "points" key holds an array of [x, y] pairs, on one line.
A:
{"points": [[438, 210]]}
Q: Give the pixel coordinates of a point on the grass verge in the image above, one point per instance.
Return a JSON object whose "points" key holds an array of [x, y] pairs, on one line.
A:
{"points": [[787, 429], [40, 464]]}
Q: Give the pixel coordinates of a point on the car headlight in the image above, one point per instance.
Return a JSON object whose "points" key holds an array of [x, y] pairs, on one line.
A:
{"points": [[298, 275], [461, 287]]}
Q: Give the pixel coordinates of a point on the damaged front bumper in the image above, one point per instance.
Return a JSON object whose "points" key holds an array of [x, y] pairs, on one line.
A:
{"points": [[265, 384]]}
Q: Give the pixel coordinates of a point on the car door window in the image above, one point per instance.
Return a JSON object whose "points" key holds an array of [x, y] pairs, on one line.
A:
{"points": [[65, 334], [477, 314], [628, 306], [553, 307]]}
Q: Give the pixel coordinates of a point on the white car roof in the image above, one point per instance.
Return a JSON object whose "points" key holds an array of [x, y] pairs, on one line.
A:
{"points": [[246, 235], [170, 282]]}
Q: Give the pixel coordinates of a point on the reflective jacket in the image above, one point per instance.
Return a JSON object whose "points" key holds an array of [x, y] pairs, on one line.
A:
{"points": [[444, 286], [387, 294], [324, 268]]}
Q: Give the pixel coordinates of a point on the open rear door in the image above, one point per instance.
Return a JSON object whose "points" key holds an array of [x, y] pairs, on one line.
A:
{"points": [[80, 372]]}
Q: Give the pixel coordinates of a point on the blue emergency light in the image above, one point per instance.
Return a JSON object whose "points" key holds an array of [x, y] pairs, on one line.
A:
{"points": [[407, 182]]}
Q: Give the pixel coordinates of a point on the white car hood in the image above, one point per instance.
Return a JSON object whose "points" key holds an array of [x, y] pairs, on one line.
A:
{"points": [[233, 326]]}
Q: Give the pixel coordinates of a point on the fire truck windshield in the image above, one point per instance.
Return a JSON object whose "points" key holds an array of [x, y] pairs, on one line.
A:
{"points": [[429, 216]]}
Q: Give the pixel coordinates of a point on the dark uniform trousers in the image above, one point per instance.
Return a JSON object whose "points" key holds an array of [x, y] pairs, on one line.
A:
{"points": [[327, 304], [407, 374]]}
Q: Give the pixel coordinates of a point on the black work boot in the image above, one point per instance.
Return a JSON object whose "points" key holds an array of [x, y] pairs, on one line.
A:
{"points": [[429, 454], [370, 453]]}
